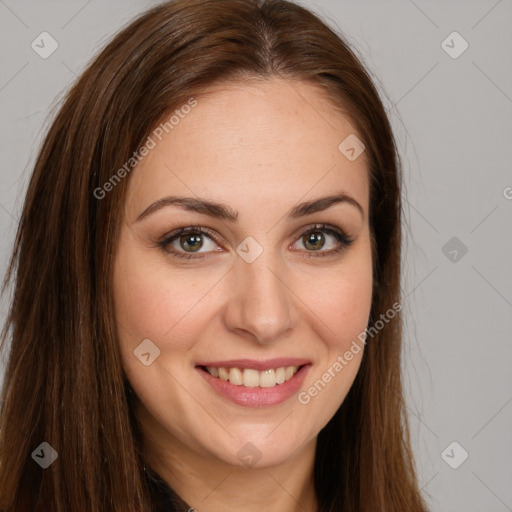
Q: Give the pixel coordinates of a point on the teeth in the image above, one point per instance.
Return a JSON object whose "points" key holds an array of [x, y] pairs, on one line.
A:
{"points": [[236, 377], [253, 378], [280, 375], [289, 371], [268, 379]]}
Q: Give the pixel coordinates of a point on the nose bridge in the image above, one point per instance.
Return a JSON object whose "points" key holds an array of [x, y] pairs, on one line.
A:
{"points": [[260, 302]]}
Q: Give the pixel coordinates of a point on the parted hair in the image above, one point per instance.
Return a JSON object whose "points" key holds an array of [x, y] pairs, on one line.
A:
{"points": [[64, 382]]}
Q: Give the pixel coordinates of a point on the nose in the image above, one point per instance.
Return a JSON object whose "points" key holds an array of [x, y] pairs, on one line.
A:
{"points": [[260, 304]]}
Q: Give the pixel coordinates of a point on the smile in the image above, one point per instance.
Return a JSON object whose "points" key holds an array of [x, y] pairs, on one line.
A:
{"points": [[255, 383], [251, 378]]}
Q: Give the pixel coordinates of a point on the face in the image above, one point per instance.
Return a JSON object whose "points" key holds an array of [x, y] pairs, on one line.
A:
{"points": [[232, 332]]}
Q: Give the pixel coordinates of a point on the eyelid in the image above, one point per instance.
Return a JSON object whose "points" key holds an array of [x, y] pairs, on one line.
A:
{"points": [[193, 228], [343, 239], [318, 226], [168, 238]]}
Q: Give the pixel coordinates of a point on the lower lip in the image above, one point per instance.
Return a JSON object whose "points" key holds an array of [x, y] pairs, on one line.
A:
{"points": [[257, 397]]}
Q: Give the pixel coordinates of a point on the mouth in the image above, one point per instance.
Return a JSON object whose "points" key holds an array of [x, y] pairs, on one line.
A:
{"points": [[255, 383], [251, 378]]}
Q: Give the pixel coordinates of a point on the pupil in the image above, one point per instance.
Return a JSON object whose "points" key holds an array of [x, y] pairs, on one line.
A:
{"points": [[194, 242], [315, 239]]}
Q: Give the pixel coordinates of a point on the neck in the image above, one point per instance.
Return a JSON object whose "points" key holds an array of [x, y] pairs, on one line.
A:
{"points": [[211, 485]]}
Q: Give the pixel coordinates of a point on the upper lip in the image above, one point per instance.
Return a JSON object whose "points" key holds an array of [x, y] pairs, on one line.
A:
{"points": [[257, 365]]}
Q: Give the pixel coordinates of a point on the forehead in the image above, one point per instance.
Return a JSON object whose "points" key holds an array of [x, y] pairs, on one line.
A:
{"points": [[267, 140]]}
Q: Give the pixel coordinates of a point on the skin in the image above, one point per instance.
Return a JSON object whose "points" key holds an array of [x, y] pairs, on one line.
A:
{"points": [[261, 148]]}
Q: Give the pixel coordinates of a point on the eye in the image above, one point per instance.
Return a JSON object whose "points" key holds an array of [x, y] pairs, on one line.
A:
{"points": [[315, 239], [187, 242]]}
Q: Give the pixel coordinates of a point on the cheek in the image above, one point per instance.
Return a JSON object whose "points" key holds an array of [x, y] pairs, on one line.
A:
{"points": [[341, 309], [151, 304], [344, 307], [341, 300]]}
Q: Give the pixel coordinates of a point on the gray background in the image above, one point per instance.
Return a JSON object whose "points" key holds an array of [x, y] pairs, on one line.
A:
{"points": [[453, 121]]}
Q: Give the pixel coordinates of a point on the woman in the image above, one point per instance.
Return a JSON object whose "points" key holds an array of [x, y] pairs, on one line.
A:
{"points": [[207, 279]]}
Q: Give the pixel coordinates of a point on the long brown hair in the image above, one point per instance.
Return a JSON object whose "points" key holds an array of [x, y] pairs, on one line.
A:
{"points": [[64, 382]]}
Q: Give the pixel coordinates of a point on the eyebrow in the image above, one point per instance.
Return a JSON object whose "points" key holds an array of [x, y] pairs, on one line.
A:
{"points": [[224, 212]]}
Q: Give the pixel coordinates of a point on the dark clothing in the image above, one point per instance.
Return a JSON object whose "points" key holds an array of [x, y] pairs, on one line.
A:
{"points": [[164, 498]]}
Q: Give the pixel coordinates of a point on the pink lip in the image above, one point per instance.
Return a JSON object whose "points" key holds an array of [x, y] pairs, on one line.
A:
{"points": [[256, 365], [256, 397]]}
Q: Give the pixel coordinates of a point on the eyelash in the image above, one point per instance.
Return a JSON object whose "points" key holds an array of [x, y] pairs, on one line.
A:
{"points": [[343, 240]]}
